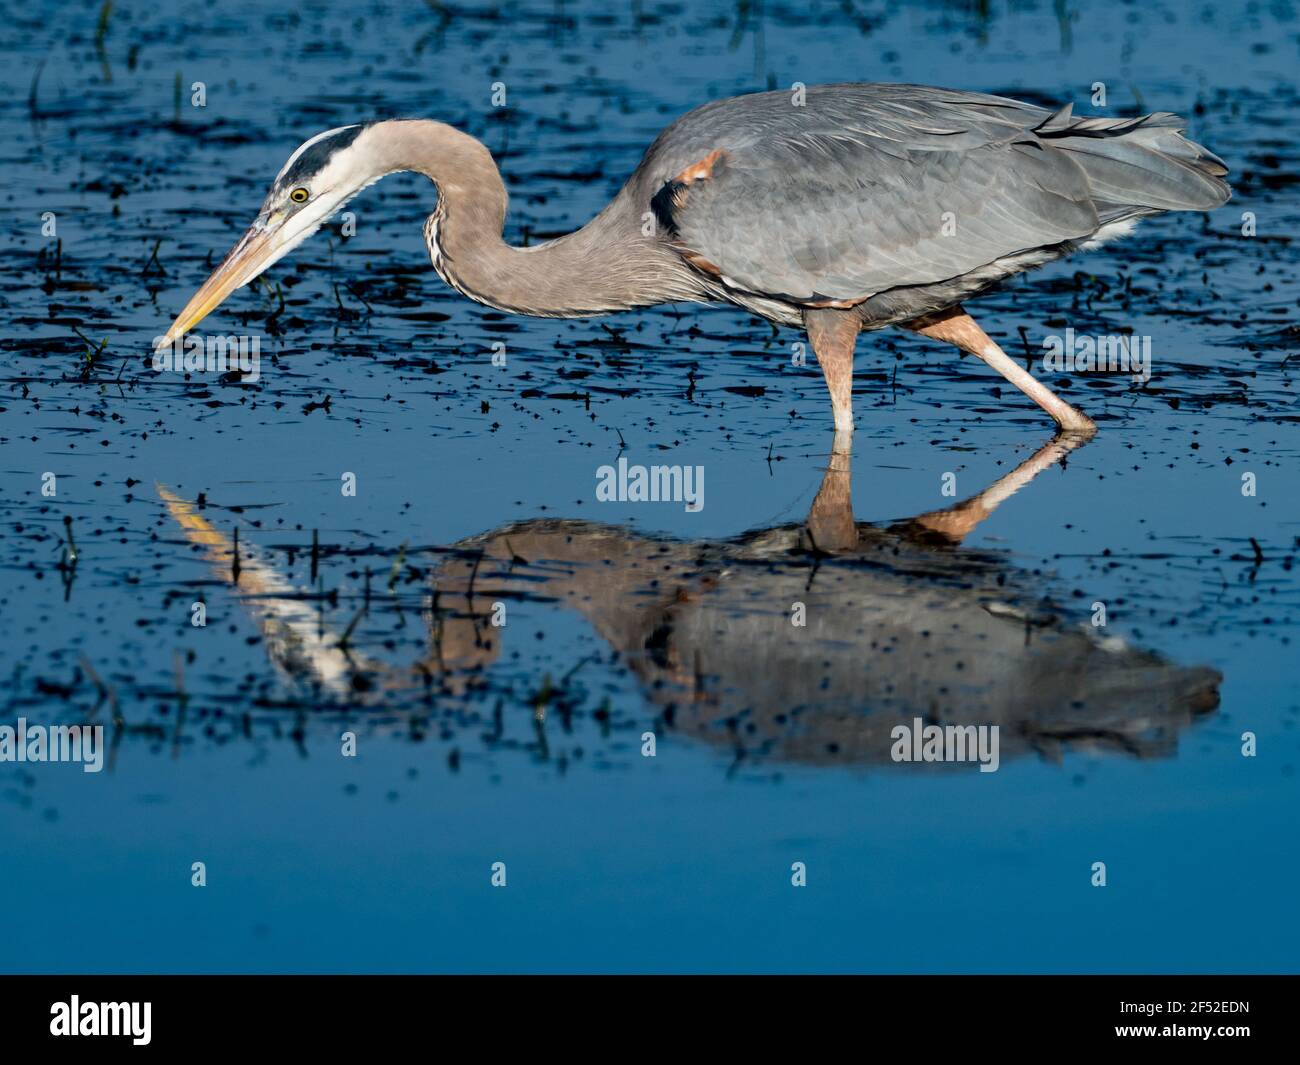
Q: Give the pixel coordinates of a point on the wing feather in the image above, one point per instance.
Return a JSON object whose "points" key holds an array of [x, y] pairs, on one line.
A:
{"points": [[872, 187]]}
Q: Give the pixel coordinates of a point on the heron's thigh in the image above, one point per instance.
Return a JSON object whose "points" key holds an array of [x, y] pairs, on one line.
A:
{"points": [[954, 326]]}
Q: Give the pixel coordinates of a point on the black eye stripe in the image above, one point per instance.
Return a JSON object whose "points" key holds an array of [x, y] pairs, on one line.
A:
{"points": [[313, 160]]}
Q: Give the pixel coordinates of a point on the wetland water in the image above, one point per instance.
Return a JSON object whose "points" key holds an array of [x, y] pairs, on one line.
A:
{"points": [[476, 493]]}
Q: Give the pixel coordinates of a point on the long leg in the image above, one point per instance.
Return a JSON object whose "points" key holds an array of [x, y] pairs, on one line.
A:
{"points": [[957, 327], [834, 334]]}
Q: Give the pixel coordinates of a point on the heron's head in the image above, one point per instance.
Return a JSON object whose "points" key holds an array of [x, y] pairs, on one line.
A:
{"points": [[322, 175]]}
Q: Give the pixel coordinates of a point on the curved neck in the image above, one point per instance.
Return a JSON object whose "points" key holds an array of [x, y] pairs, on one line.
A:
{"points": [[607, 265]]}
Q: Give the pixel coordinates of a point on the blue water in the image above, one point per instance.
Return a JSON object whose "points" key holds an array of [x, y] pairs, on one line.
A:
{"points": [[615, 862]]}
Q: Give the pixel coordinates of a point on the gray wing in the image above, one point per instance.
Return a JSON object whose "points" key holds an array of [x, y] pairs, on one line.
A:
{"points": [[870, 187]]}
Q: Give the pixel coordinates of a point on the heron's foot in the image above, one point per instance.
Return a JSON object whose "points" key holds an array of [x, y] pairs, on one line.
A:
{"points": [[1072, 422]]}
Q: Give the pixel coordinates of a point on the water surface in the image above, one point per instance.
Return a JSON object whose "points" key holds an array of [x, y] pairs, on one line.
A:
{"points": [[523, 744]]}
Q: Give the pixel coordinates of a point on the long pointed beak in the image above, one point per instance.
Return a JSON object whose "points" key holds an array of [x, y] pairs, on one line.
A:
{"points": [[254, 252]]}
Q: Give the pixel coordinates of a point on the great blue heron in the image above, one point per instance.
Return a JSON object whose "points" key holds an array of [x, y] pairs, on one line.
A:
{"points": [[852, 207]]}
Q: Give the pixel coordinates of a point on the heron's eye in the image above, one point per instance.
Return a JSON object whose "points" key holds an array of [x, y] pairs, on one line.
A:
{"points": [[300, 195]]}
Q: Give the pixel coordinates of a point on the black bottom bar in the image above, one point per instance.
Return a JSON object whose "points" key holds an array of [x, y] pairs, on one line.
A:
{"points": [[341, 1013]]}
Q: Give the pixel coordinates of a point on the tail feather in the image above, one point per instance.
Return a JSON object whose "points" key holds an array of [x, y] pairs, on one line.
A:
{"points": [[1135, 165]]}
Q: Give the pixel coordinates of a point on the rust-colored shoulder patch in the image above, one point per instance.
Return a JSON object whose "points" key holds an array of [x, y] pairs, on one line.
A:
{"points": [[671, 198], [701, 170]]}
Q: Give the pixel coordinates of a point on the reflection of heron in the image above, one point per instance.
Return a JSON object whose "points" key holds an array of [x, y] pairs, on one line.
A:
{"points": [[853, 207], [899, 623]]}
